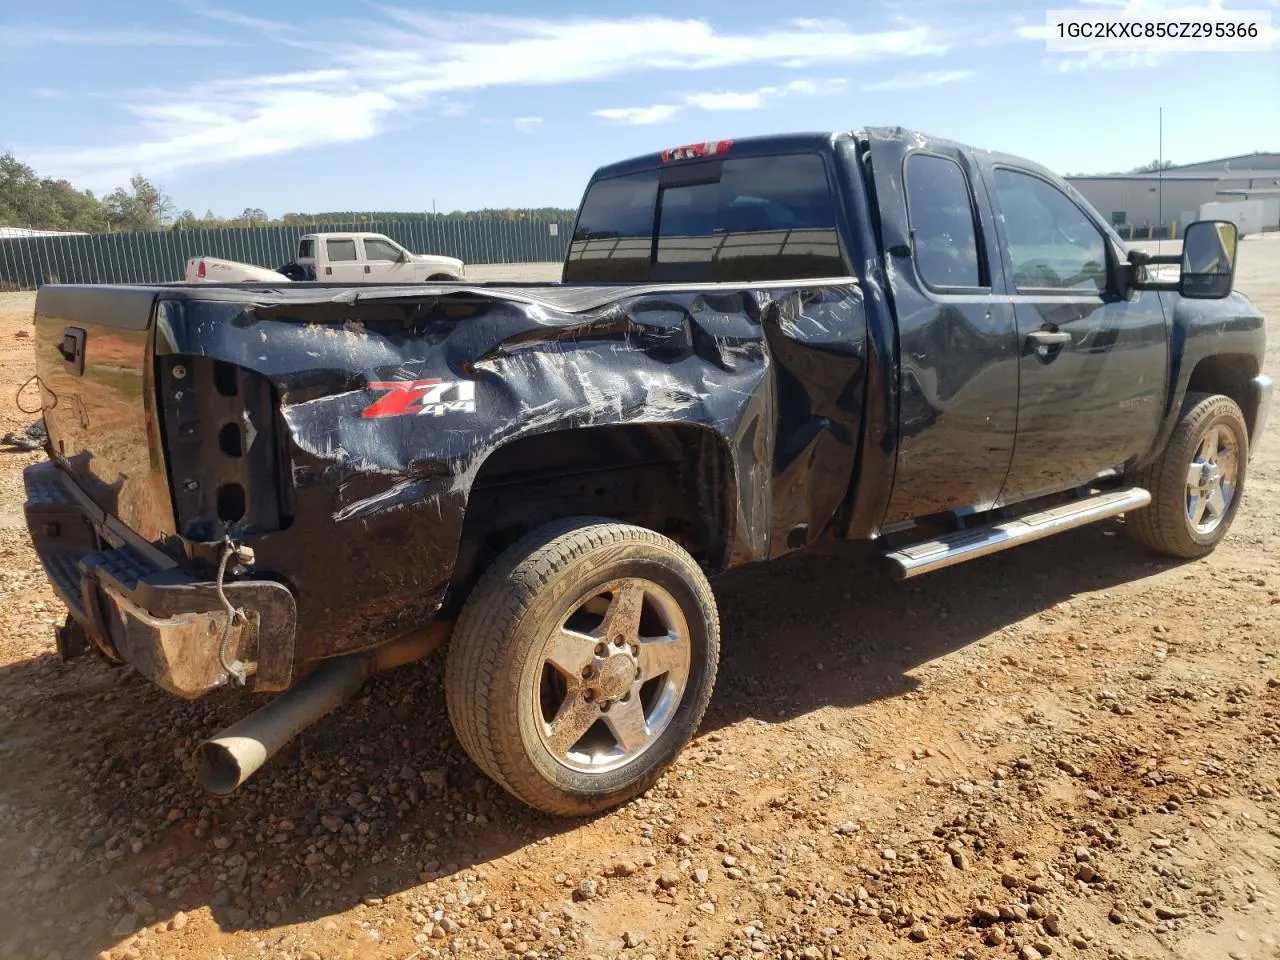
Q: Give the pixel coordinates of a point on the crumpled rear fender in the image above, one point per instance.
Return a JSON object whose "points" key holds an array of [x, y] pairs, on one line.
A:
{"points": [[390, 405]]}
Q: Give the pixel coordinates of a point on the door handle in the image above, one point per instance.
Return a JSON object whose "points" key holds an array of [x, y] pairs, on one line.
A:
{"points": [[366, 268], [72, 350], [1048, 338]]}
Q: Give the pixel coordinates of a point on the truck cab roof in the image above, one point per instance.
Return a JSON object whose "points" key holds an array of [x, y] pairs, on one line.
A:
{"points": [[745, 147], [346, 234], [773, 144]]}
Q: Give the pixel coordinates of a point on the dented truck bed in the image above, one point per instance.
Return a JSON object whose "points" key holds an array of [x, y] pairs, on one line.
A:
{"points": [[345, 436]]}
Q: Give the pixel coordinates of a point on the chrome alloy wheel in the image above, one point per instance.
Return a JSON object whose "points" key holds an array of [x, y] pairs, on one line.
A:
{"points": [[1212, 478], [613, 672]]}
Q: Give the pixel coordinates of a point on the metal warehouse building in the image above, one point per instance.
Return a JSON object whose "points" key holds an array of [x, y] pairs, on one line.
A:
{"points": [[1146, 202]]}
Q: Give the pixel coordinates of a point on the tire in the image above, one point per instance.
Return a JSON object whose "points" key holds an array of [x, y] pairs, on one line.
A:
{"points": [[440, 277], [1167, 524], [295, 272], [517, 714]]}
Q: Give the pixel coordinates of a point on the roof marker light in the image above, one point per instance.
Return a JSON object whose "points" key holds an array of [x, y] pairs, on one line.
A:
{"points": [[693, 151]]}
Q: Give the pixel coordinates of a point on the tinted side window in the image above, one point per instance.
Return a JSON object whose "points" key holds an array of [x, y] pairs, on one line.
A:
{"points": [[306, 248], [614, 235], [375, 249], [339, 250], [1052, 244], [940, 210]]}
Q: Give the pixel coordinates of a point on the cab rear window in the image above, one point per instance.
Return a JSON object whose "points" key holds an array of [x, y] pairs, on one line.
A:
{"points": [[754, 218]]}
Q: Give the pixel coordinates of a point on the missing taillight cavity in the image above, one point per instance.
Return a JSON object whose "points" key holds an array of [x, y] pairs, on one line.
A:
{"points": [[218, 422], [231, 502], [230, 440], [225, 380]]}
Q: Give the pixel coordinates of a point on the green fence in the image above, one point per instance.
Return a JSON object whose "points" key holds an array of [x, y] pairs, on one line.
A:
{"points": [[161, 256]]}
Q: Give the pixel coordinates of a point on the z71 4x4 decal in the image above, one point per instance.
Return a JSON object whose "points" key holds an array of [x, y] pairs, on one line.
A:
{"points": [[419, 397]]}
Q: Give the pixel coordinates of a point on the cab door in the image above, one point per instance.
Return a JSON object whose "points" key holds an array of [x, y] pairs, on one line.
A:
{"points": [[957, 342], [342, 261], [382, 261], [1092, 364]]}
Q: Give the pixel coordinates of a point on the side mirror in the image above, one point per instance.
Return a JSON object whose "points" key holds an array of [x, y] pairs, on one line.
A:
{"points": [[1208, 260], [404, 257]]}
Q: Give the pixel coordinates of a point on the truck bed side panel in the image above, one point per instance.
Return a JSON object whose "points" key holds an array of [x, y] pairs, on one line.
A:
{"points": [[93, 351], [391, 405]]}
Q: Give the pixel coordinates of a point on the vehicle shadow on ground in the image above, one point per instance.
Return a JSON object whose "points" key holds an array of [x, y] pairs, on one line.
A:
{"points": [[810, 631], [104, 827]]}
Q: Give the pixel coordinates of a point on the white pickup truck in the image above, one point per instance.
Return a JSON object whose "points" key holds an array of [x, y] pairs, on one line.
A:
{"points": [[334, 258]]}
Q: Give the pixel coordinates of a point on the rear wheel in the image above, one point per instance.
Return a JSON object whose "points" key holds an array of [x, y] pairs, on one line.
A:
{"points": [[1197, 482], [582, 664]]}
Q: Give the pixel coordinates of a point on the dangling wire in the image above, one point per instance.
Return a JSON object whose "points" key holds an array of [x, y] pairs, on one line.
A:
{"points": [[17, 397], [235, 615]]}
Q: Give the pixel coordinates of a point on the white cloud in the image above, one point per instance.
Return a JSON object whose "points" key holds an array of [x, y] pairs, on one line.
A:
{"points": [[1106, 60], [21, 35], [527, 124], [723, 100], [235, 18], [222, 129], [751, 100], [916, 81], [399, 61], [639, 116]]}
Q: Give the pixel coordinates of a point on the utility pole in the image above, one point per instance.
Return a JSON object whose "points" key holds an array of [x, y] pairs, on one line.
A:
{"points": [[1160, 179]]}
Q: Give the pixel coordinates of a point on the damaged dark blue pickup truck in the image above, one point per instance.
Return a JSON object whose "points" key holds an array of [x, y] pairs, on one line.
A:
{"points": [[872, 337]]}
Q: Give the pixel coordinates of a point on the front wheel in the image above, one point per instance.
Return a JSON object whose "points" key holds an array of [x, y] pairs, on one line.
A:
{"points": [[582, 664], [1197, 482]]}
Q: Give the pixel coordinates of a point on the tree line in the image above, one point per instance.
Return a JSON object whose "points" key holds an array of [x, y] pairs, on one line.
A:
{"points": [[43, 203], [1150, 167]]}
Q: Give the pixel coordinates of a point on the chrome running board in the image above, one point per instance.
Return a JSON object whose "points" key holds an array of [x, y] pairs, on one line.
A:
{"points": [[978, 542]]}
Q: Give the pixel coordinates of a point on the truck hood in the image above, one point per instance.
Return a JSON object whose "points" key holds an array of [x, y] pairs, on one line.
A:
{"points": [[439, 261]]}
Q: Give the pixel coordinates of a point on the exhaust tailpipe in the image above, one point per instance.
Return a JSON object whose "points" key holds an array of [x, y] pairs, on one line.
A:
{"points": [[234, 755]]}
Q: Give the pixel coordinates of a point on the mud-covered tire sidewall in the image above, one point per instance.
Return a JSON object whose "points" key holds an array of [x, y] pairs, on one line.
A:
{"points": [[495, 657]]}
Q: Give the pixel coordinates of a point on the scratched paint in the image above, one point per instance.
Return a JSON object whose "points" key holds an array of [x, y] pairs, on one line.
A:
{"points": [[825, 398], [775, 373]]}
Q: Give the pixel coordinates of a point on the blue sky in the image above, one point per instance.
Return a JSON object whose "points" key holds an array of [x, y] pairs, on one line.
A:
{"points": [[355, 105]]}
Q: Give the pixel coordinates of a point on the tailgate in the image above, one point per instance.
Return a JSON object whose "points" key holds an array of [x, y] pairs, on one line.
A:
{"points": [[94, 358]]}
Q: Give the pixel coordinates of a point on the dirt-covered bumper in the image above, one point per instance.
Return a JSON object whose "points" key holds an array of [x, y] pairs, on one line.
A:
{"points": [[135, 604]]}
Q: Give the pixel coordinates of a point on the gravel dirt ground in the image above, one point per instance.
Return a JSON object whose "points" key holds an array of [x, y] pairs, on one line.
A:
{"points": [[1071, 749]]}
